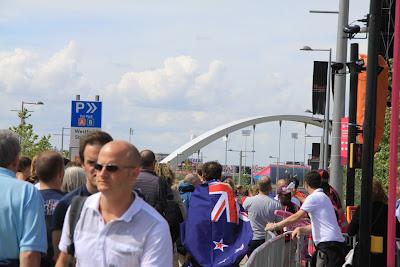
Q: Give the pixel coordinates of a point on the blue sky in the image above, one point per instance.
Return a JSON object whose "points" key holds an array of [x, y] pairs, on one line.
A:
{"points": [[168, 69]]}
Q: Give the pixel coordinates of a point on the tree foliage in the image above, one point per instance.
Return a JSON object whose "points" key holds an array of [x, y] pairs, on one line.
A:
{"points": [[31, 144], [381, 158]]}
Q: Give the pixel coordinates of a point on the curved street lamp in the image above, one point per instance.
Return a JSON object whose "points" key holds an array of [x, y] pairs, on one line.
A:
{"points": [[327, 100], [23, 103]]}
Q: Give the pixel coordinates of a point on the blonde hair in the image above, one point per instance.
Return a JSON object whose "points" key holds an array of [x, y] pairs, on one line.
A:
{"points": [[165, 172], [74, 177]]}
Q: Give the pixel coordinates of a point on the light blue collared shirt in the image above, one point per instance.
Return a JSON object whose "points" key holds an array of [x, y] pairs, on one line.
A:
{"points": [[22, 224], [398, 209]]}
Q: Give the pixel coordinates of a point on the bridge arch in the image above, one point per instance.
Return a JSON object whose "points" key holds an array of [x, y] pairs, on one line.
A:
{"points": [[206, 138]]}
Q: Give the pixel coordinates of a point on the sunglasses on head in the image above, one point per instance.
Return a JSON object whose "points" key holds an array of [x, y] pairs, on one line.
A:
{"points": [[110, 167]]}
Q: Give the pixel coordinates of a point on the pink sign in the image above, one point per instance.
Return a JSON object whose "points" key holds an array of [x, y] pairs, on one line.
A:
{"points": [[344, 139]]}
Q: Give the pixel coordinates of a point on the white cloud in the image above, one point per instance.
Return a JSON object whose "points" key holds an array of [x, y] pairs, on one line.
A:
{"points": [[15, 70], [178, 80], [22, 71]]}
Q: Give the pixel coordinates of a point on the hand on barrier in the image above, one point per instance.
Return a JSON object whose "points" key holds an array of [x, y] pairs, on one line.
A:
{"points": [[296, 233], [272, 227]]}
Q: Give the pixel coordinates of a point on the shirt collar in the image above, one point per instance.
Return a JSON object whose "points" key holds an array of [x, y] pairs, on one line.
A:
{"points": [[148, 171], [318, 190], [7, 172], [93, 203]]}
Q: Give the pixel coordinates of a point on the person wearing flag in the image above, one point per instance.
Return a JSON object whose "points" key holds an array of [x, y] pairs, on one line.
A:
{"points": [[217, 231]]}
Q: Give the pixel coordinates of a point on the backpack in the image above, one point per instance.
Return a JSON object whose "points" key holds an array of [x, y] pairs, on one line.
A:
{"points": [[171, 211], [74, 215]]}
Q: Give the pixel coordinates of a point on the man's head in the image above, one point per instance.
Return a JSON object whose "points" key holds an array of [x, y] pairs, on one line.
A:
{"points": [[49, 166], [212, 170], [148, 159], [264, 185], [24, 168], [117, 167], [193, 179], [89, 149], [312, 180], [9, 150]]}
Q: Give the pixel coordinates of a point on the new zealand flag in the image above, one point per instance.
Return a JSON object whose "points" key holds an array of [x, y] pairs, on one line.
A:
{"points": [[216, 232]]}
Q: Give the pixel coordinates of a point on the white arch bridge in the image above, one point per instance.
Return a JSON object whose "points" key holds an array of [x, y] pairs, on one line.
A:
{"points": [[206, 138]]}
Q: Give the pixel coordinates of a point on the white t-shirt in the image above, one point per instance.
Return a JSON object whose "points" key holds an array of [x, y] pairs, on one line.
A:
{"points": [[140, 237], [323, 219]]}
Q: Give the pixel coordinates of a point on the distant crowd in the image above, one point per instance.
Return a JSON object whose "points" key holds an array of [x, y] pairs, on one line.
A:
{"points": [[117, 206]]}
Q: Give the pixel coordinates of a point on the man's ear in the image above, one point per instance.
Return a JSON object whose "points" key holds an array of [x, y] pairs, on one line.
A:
{"points": [[136, 171], [14, 165], [62, 172]]}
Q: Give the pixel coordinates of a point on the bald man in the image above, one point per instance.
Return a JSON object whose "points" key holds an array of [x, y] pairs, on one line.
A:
{"points": [[119, 228]]}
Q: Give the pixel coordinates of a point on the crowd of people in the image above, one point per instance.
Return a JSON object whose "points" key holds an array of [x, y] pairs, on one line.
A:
{"points": [[117, 206]]}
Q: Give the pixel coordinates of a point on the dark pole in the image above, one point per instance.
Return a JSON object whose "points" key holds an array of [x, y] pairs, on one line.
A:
{"points": [[352, 122], [369, 133]]}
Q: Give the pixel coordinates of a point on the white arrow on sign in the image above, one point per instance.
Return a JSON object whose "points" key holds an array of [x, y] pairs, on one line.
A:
{"points": [[92, 108]]}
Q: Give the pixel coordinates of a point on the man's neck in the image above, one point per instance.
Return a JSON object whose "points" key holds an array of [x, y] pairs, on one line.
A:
{"points": [[12, 167], [90, 188], [112, 207], [310, 190], [263, 193], [49, 185]]}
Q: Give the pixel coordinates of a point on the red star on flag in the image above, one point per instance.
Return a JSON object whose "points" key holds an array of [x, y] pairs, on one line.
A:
{"points": [[220, 245]]}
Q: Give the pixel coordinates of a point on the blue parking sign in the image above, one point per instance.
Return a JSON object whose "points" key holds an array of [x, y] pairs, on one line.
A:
{"points": [[86, 114]]}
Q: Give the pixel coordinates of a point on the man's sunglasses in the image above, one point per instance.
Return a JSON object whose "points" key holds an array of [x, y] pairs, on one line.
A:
{"points": [[110, 167]]}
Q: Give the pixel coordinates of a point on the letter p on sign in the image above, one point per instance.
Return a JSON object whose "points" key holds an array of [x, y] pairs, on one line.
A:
{"points": [[79, 106]]}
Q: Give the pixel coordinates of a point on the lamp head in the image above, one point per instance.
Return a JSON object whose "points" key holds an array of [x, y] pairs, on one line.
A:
{"points": [[306, 48], [39, 103], [351, 29]]}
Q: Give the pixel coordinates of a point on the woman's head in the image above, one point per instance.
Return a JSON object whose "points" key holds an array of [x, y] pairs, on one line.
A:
{"points": [[165, 172], [74, 177]]}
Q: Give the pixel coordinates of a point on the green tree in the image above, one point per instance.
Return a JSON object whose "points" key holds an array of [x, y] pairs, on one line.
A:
{"points": [[31, 144], [381, 157]]}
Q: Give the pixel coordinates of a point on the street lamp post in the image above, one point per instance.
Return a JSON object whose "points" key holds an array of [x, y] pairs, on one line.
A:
{"points": [[130, 134], [62, 139], [327, 103], [277, 167], [294, 137], [23, 103], [240, 161], [225, 140]]}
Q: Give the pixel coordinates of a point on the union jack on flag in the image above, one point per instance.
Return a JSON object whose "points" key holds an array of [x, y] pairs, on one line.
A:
{"points": [[216, 231], [226, 202]]}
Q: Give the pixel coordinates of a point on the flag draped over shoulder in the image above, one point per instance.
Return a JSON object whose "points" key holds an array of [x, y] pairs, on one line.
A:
{"points": [[216, 232]]}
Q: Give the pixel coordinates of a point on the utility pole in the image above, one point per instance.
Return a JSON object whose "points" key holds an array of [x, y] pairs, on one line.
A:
{"points": [[354, 68], [369, 133], [336, 171]]}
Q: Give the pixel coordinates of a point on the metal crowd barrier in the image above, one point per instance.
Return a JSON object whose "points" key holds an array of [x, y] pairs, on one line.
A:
{"points": [[278, 251]]}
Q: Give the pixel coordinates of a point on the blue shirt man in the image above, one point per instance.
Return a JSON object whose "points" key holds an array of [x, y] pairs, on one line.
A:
{"points": [[22, 224]]}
